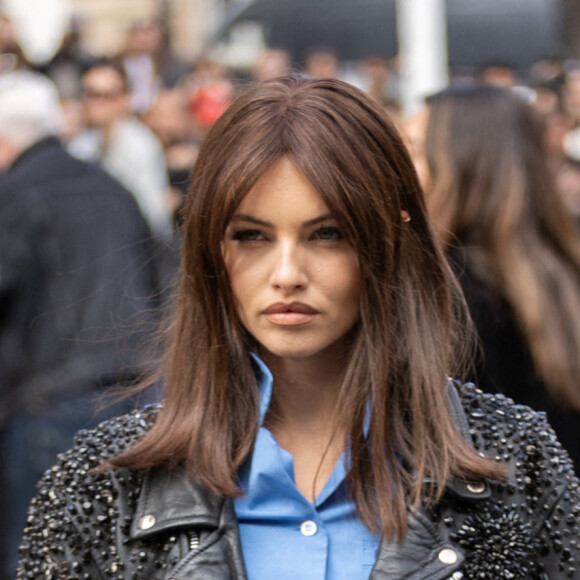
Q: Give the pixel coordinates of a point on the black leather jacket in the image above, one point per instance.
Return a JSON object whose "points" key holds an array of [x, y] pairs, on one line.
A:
{"points": [[157, 524]]}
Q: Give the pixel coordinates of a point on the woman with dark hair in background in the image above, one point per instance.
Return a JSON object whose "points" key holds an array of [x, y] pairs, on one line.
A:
{"points": [[310, 429], [514, 245]]}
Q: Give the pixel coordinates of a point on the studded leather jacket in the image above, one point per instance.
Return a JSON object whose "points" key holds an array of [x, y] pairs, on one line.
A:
{"points": [[157, 524]]}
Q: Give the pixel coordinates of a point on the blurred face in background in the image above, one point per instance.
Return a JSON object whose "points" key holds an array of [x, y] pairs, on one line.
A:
{"points": [[273, 63], [105, 97], [144, 39], [414, 131], [322, 64], [169, 117]]}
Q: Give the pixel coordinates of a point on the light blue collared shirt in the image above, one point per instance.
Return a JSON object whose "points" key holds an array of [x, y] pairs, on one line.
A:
{"points": [[286, 537]]}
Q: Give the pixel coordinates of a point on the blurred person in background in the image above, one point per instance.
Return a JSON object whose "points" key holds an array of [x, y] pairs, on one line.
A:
{"points": [[568, 180], [547, 79], [10, 50], [274, 62], [210, 88], [148, 64], [78, 294], [123, 145], [498, 74], [322, 63], [169, 119], [571, 90], [413, 130], [570, 177], [514, 246], [66, 69], [566, 170], [380, 81], [68, 64]]}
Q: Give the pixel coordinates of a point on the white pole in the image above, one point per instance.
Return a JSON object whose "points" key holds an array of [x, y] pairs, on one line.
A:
{"points": [[422, 37]]}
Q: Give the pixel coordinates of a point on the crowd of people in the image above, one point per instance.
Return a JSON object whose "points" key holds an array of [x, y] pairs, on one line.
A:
{"points": [[97, 156]]}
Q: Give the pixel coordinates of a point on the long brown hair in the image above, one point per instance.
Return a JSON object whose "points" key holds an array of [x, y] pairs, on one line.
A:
{"points": [[403, 348], [492, 192]]}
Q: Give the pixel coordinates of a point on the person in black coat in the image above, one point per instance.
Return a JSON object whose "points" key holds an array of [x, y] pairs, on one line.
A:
{"points": [[78, 291]]}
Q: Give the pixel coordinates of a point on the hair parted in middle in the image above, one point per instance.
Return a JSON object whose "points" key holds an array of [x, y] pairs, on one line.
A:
{"points": [[412, 324]]}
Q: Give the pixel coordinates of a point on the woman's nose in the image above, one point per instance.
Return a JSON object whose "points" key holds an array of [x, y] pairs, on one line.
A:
{"points": [[289, 268]]}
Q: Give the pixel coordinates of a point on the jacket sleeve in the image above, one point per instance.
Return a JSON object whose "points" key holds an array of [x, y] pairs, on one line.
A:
{"points": [[559, 537], [52, 546], [76, 524], [530, 526], [556, 499]]}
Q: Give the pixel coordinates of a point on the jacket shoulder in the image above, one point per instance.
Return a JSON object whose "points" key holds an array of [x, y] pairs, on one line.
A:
{"points": [[512, 433], [534, 513], [490, 414], [112, 436], [73, 523]]}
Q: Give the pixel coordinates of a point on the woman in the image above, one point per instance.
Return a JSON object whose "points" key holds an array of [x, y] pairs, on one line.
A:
{"points": [[515, 248], [309, 428]]}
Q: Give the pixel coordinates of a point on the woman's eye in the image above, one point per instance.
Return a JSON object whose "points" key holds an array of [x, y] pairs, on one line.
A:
{"points": [[329, 233], [247, 236]]}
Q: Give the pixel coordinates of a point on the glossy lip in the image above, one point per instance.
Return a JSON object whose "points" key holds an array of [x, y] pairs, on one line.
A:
{"points": [[289, 314]]}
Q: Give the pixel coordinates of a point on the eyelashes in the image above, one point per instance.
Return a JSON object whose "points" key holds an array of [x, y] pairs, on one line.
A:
{"points": [[246, 235], [325, 234], [329, 233]]}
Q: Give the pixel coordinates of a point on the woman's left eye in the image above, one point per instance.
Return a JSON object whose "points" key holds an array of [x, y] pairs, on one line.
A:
{"points": [[246, 235], [329, 233]]}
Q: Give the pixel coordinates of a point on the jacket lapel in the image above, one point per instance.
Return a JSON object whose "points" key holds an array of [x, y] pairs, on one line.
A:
{"points": [[422, 554], [169, 500]]}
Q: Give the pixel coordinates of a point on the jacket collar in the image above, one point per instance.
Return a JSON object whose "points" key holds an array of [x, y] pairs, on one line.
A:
{"points": [[170, 500], [422, 554], [470, 491]]}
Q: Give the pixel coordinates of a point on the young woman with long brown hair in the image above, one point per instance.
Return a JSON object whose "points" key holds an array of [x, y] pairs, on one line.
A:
{"points": [[495, 206], [310, 428]]}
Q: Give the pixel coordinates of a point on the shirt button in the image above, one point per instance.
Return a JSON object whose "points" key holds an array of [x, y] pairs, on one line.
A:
{"points": [[308, 528]]}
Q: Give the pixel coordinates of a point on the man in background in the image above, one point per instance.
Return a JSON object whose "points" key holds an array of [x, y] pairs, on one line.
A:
{"points": [[123, 145], [78, 287]]}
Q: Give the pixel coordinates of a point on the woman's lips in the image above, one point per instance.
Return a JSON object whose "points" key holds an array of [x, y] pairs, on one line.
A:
{"points": [[292, 314]]}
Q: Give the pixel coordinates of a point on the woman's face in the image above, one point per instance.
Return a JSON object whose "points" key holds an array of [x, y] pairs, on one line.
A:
{"points": [[295, 278]]}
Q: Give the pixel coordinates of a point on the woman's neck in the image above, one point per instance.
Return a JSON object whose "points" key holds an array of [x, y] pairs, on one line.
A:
{"points": [[305, 389], [302, 416]]}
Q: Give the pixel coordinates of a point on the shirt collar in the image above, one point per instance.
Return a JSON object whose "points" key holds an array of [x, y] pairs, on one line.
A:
{"points": [[265, 385]]}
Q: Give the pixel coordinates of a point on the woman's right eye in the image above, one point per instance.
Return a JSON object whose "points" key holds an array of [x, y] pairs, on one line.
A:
{"points": [[247, 235]]}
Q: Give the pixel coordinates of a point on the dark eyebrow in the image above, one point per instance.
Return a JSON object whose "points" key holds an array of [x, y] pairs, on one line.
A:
{"points": [[323, 218], [242, 217], [239, 217]]}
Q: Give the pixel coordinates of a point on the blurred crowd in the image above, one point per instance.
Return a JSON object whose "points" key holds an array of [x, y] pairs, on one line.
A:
{"points": [[176, 102], [139, 119]]}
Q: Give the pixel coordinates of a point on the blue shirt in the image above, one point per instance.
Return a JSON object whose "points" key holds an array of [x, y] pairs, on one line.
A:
{"points": [[286, 537]]}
